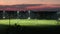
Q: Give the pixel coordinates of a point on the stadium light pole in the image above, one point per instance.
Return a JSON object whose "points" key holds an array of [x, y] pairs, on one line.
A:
{"points": [[4, 14], [29, 14], [17, 15]]}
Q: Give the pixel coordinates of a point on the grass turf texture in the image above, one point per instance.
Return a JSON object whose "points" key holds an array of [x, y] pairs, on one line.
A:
{"points": [[27, 22]]}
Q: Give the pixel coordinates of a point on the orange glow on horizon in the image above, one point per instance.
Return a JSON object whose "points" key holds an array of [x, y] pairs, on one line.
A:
{"points": [[14, 2]]}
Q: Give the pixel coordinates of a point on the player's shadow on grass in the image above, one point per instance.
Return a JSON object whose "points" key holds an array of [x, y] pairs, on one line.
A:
{"points": [[17, 29]]}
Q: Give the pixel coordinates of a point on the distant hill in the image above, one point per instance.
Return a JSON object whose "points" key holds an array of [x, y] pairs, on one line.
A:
{"points": [[37, 7]]}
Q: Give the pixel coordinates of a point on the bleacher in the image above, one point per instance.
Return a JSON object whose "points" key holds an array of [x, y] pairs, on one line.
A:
{"points": [[26, 14]]}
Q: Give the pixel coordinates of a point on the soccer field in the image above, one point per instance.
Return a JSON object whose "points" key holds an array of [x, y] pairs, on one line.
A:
{"points": [[27, 22]]}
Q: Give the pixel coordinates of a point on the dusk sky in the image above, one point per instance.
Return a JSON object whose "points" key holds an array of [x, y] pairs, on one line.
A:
{"points": [[12, 2]]}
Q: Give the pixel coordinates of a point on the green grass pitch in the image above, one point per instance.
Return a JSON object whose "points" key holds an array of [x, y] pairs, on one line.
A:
{"points": [[28, 22]]}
